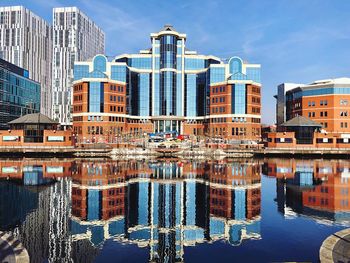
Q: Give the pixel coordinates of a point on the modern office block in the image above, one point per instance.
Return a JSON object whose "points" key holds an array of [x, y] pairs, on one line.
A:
{"points": [[75, 38], [168, 89], [19, 95], [26, 41], [324, 101]]}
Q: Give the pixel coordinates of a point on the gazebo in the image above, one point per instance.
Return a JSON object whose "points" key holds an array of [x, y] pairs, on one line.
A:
{"points": [[303, 128], [33, 126]]}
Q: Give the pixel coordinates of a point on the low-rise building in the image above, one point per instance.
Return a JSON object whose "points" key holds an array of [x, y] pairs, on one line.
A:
{"points": [[35, 130], [301, 132]]}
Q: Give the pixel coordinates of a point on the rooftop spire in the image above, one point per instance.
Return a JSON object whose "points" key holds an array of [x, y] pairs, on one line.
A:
{"points": [[168, 27]]}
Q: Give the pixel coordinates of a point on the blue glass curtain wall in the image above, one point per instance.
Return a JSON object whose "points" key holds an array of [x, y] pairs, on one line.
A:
{"points": [[238, 99], [96, 97]]}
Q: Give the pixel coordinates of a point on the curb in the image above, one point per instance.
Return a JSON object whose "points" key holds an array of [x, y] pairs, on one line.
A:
{"points": [[18, 250], [336, 244]]}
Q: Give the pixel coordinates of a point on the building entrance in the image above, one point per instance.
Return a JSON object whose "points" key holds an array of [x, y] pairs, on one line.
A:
{"points": [[167, 126]]}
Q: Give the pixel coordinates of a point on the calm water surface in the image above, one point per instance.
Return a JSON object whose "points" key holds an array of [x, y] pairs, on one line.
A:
{"points": [[174, 210]]}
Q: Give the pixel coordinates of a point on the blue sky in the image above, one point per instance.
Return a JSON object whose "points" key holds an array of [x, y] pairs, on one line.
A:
{"points": [[294, 40]]}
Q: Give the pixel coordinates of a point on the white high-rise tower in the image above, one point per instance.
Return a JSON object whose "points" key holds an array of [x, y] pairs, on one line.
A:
{"points": [[75, 38]]}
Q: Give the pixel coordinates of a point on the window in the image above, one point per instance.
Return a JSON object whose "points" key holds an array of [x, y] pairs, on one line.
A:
{"points": [[321, 114], [344, 102], [344, 113]]}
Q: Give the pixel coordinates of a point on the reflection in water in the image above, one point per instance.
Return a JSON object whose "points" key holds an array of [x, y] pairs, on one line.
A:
{"points": [[36, 208], [165, 205], [67, 209], [316, 188]]}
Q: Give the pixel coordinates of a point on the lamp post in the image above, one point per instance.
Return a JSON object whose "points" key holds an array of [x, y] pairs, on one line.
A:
{"points": [[143, 142], [74, 140]]}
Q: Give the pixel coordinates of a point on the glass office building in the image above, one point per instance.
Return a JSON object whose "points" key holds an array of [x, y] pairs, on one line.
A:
{"points": [[169, 86], [19, 95]]}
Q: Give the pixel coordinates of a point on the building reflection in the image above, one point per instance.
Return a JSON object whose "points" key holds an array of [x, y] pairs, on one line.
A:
{"points": [[40, 219], [315, 188], [166, 205]]}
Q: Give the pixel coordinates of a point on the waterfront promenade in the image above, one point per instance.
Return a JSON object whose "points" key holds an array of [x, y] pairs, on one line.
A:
{"points": [[186, 150]]}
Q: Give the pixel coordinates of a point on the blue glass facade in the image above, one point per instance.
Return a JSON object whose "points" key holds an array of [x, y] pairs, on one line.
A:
{"points": [[140, 94], [195, 63], [100, 63], [238, 99], [96, 97], [18, 94], [217, 74], [140, 63], [254, 74], [81, 71], [119, 73], [317, 91], [168, 50], [167, 93]]}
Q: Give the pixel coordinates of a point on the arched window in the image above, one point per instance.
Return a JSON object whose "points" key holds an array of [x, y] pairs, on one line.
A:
{"points": [[235, 65], [100, 63]]}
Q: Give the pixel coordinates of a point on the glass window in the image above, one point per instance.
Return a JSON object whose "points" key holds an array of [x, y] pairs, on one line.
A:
{"points": [[235, 65], [216, 74], [96, 97], [239, 99], [194, 63], [80, 71], [254, 74], [118, 73], [141, 62], [100, 63], [343, 102]]}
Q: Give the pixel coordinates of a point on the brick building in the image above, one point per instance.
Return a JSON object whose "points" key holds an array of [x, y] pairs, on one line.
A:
{"points": [[324, 101]]}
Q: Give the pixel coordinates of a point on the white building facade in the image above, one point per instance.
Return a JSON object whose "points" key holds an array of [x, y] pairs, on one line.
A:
{"points": [[26, 41], [75, 38]]}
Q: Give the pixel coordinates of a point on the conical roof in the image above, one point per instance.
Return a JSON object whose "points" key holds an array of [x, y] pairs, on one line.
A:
{"points": [[300, 121], [33, 118]]}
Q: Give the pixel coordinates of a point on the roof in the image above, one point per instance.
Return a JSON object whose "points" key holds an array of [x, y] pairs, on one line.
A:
{"points": [[33, 118], [332, 81], [300, 121]]}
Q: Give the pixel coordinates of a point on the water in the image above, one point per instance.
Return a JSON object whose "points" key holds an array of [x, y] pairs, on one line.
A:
{"points": [[174, 210]]}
